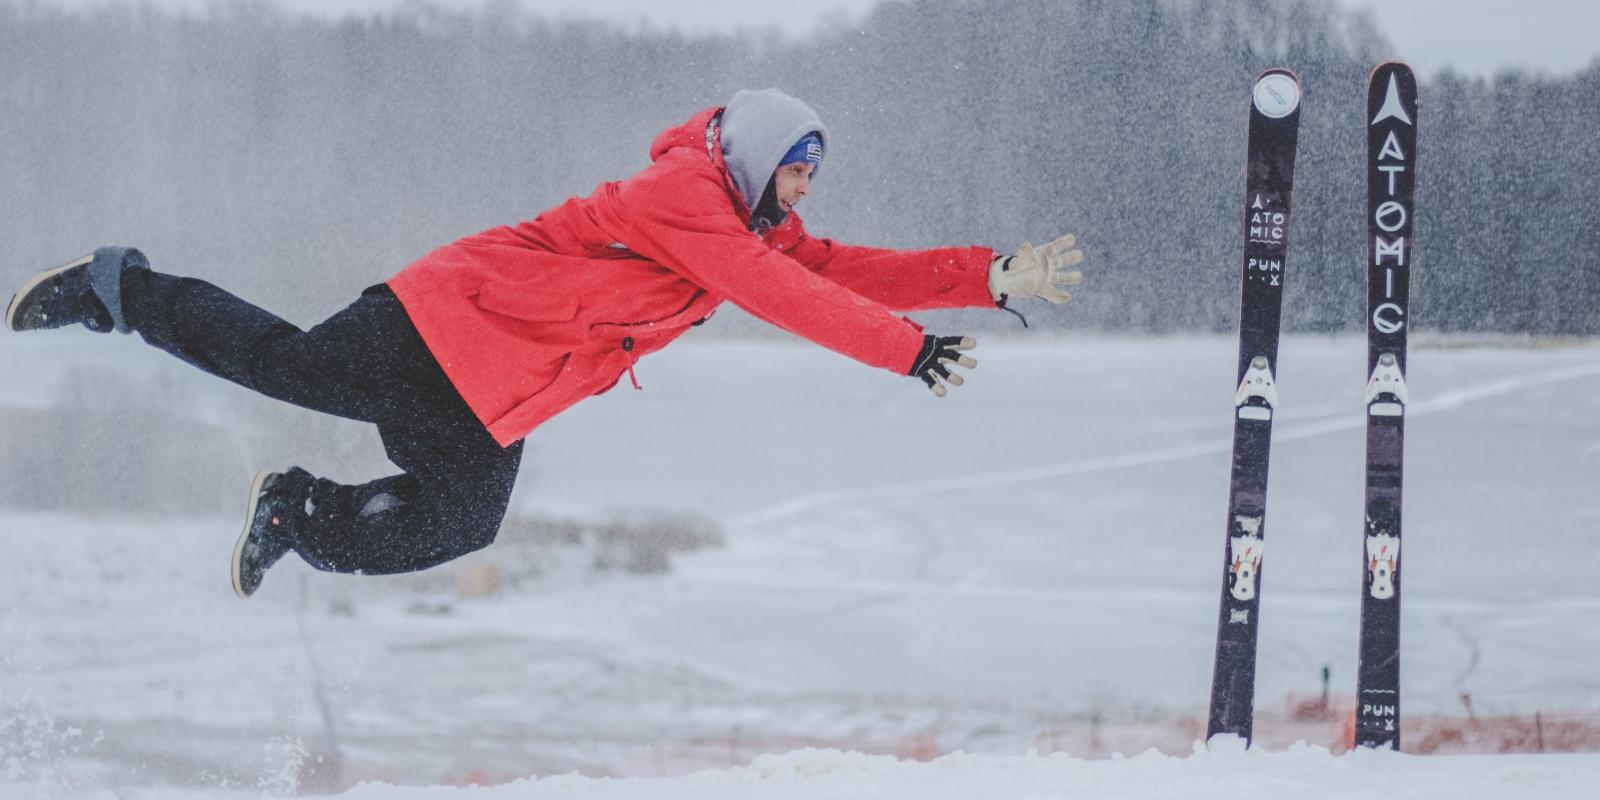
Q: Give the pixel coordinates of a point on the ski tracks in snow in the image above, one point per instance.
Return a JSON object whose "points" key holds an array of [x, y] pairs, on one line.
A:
{"points": [[1470, 642], [1335, 423]]}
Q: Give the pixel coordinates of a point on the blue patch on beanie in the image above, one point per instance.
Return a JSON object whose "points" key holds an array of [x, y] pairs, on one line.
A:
{"points": [[807, 150]]}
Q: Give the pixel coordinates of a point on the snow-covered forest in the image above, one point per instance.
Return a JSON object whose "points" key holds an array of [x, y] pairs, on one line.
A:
{"points": [[298, 160]]}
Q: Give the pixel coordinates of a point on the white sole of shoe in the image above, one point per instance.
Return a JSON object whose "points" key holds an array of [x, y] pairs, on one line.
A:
{"points": [[244, 536], [11, 310]]}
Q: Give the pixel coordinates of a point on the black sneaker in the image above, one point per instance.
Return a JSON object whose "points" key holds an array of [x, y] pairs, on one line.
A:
{"points": [[269, 524], [57, 298]]}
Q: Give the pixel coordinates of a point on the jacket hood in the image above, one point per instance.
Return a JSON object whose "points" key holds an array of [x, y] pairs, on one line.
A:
{"points": [[689, 134], [758, 127]]}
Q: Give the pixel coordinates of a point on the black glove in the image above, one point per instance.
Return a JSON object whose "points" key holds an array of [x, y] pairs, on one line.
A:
{"points": [[937, 352]]}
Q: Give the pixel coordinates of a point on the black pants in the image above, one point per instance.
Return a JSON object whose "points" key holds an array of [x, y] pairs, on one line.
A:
{"points": [[367, 363]]}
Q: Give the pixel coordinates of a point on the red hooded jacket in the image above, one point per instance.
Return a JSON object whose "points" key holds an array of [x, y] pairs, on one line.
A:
{"points": [[527, 320]]}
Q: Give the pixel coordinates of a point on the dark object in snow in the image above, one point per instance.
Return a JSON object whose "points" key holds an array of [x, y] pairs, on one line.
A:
{"points": [[1391, 183], [270, 520], [1274, 131]]}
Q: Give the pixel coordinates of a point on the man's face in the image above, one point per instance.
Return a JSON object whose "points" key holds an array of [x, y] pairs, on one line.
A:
{"points": [[793, 183]]}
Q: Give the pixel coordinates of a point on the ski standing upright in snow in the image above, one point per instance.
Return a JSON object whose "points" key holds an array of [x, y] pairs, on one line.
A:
{"points": [[1274, 131], [1391, 180]]}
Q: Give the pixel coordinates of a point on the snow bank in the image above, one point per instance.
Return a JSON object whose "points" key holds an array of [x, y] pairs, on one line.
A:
{"points": [[1226, 771], [1024, 585], [1301, 773]]}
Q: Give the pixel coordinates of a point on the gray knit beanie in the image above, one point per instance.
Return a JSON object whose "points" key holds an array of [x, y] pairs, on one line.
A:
{"points": [[758, 128]]}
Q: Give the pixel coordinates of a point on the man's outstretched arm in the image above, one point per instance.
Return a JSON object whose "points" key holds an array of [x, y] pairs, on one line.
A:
{"points": [[946, 277], [717, 253]]}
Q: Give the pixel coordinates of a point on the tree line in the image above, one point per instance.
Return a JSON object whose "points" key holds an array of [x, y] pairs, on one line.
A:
{"points": [[296, 160]]}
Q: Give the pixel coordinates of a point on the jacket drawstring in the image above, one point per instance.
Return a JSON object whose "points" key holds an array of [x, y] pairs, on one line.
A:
{"points": [[1003, 307], [634, 380]]}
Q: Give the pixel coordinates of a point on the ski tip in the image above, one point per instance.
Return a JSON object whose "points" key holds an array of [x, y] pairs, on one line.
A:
{"points": [[1392, 72], [1277, 93], [1392, 93], [1391, 66], [1279, 71]]}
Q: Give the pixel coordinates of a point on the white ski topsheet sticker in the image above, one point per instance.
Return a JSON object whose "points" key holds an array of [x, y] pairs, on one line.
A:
{"points": [[1277, 95], [1392, 107]]}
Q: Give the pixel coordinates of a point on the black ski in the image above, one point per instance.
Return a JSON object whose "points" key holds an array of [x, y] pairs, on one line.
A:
{"points": [[1274, 130], [1391, 179]]}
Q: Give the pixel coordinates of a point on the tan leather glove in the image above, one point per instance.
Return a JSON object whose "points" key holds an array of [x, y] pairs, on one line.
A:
{"points": [[1042, 272]]}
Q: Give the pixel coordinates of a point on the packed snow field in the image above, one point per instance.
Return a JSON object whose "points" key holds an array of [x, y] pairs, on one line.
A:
{"points": [[1027, 567]]}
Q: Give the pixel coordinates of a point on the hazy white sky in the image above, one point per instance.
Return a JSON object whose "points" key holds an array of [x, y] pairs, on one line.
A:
{"points": [[1473, 36], [1479, 36]]}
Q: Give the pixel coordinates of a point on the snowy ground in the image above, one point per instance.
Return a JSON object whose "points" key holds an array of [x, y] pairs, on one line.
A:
{"points": [[1033, 563]]}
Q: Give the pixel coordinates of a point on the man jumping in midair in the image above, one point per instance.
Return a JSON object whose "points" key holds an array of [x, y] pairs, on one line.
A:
{"points": [[462, 354]]}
